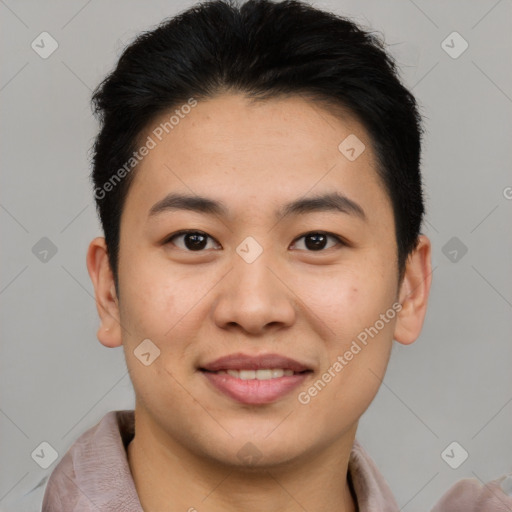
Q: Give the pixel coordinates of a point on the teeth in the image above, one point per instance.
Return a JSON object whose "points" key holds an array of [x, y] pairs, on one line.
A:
{"points": [[247, 374], [263, 374], [266, 374]]}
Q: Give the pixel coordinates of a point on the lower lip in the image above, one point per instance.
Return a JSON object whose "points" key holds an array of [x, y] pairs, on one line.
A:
{"points": [[254, 391]]}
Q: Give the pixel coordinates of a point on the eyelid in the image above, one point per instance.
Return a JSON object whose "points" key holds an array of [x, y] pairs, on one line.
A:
{"points": [[186, 232], [341, 241]]}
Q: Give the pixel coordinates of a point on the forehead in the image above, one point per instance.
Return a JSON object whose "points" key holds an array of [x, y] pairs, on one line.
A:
{"points": [[267, 153]]}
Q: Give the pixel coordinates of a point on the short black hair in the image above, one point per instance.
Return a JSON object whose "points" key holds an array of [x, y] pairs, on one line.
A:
{"points": [[263, 49]]}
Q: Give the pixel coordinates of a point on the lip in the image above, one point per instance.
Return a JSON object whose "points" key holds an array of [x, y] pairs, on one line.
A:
{"points": [[254, 391], [241, 361]]}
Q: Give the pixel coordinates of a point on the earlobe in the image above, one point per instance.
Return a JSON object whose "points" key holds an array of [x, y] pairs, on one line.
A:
{"points": [[109, 332], [414, 292]]}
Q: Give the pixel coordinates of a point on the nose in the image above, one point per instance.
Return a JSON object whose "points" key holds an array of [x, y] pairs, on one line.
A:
{"points": [[255, 297]]}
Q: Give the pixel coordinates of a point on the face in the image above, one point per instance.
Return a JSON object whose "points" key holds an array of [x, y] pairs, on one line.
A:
{"points": [[265, 279]]}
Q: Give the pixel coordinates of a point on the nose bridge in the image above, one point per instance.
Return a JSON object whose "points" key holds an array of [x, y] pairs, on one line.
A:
{"points": [[253, 295], [252, 269]]}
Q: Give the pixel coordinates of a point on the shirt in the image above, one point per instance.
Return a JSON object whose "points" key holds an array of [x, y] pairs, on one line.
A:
{"points": [[94, 475]]}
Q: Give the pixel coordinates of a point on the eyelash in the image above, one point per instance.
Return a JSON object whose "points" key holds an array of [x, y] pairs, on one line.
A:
{"points": [[340, 241]]}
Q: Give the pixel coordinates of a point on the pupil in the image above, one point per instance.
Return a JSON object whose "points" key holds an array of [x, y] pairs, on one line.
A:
{"points": [[318, 244], [197, 243]]}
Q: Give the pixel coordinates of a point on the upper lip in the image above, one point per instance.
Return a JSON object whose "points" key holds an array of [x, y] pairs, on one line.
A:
{"points": [[257, 362]]}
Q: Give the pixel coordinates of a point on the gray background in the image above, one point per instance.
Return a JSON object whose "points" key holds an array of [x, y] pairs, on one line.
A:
{"points": [[453, 384]]}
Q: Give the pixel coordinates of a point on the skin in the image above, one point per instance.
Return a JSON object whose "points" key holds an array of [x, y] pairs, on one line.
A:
{"points": [[306, 304]]}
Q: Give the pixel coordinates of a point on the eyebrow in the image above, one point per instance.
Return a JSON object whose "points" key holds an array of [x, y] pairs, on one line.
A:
{"points": [[333, 201]]}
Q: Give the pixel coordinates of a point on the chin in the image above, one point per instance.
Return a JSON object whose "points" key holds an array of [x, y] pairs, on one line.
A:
{"points": [[260, 452]]}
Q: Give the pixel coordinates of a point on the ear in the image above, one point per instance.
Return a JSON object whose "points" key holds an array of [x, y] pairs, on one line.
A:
{"points": [[414, 292], [109, 332]]}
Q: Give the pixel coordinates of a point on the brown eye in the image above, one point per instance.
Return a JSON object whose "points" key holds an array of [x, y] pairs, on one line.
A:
{"points": [[192, 240], [197, 241], [317, 241]]}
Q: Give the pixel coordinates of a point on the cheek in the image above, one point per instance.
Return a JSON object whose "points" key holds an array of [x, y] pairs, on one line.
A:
{"points": [[357, 351], [347, 302], [357, 308], [150, 304], [153, 308]]}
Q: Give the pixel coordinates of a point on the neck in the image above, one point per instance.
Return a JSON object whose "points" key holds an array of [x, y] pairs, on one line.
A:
{"points": [[165, 473]]}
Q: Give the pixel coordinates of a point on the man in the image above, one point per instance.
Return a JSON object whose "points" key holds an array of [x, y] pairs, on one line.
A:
{"points": [[257, 178]]}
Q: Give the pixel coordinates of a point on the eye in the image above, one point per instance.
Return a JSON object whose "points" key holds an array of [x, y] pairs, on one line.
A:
{"points": [[193, 240], [316, 240]]}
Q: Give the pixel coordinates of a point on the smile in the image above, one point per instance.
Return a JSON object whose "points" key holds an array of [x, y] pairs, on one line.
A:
{"points": [[263, 374], [256, 387]]}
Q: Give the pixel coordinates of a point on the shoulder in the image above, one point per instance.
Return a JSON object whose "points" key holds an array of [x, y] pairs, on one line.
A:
{"points": [[94, 472], [370, 486], [470, 495]]}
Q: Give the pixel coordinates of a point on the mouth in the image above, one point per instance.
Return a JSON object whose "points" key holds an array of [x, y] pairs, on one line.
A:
{"points": [[255, 380], [261, 374]]}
